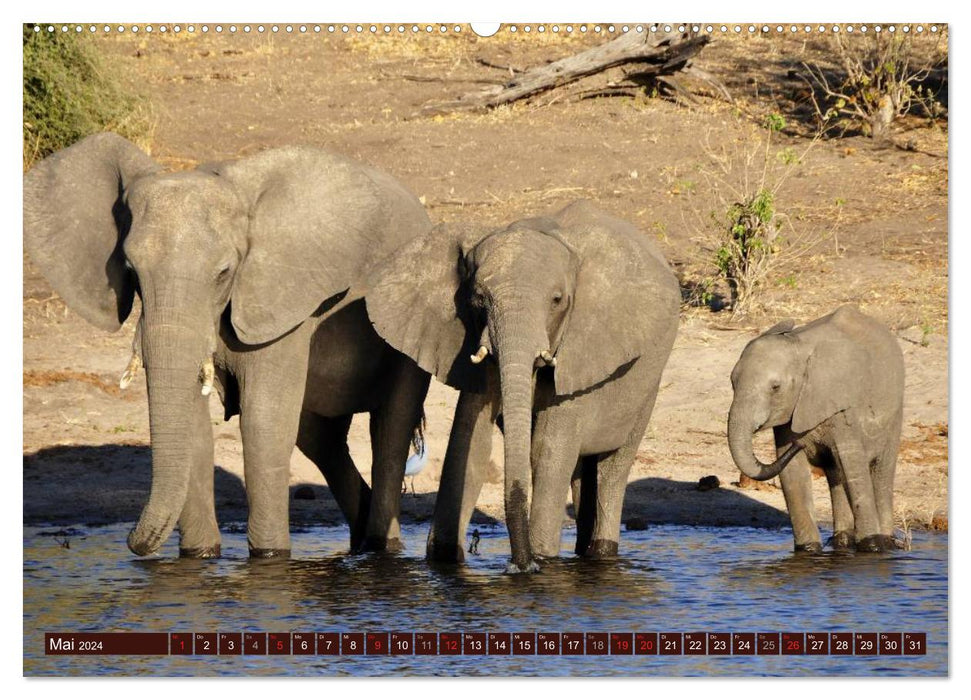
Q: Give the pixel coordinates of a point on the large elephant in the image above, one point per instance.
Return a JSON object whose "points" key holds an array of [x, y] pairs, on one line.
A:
{"points": [[832, 391], [558, 329], [246, 272]]}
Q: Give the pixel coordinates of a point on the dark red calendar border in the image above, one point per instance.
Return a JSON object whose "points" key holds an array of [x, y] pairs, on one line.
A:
{"points": [[487, 643]]}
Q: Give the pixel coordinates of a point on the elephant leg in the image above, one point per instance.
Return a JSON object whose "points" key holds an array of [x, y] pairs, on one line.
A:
{"points": [[843, 527], [271, 388], [797, 488], [198, 528], [393, 427], [613, 471], [555, 451], [324, 442], [855, 466], [883, 476], [584, 486], [463, 471]]}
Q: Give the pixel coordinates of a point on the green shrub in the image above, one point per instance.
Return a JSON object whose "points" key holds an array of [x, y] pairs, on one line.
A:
{"points": [[749, 241], [71, 92], [746, 239]]}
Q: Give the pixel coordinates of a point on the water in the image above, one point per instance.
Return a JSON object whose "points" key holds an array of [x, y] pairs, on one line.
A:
{"points": [[670, 579]]}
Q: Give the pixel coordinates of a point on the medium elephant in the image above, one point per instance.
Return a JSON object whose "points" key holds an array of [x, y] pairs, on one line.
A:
{"points": [[832, 391], [556, 328], [246, 272]]}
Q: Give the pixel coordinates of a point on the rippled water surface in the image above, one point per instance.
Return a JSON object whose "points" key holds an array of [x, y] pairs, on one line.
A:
{"points": [[670, 578]]}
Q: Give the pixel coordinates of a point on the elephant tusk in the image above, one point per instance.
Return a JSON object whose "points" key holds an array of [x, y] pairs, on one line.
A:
{"points": [[130, 371], [548, 358], [479, 355], [208, 372]]}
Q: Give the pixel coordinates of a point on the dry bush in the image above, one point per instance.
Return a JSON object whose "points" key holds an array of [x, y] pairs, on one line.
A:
{"points": [[745, 238], [880, 77]]}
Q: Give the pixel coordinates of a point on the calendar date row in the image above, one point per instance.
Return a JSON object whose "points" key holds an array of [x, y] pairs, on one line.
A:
{"points": [[489, 643]]}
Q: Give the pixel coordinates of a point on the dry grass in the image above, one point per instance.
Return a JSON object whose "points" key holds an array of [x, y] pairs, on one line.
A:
{"points": [[928, 448], [45, 378]]}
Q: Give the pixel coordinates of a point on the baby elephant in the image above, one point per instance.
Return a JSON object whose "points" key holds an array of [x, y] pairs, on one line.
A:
{"points": [[832, 391]]}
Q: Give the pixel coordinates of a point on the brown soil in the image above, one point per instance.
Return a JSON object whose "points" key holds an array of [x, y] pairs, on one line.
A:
{"points": [[883, 247]]}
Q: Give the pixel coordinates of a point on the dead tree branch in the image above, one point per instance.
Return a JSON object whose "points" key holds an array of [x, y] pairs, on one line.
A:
{"points": [[655, 55]]}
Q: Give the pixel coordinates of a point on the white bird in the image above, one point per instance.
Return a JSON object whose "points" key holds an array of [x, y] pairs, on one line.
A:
{"points": [[415, 464]]}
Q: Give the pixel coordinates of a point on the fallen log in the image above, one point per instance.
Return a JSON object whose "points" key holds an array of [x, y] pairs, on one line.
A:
{"points": [[655, 54]]}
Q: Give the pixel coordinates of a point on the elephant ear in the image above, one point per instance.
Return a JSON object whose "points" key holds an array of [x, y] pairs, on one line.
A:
{"points": [[315, 220], [76, 220], [834, 381], [625, 304], [417, 300]]}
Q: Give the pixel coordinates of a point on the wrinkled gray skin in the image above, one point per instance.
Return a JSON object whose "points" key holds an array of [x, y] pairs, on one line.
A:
{"points": [[558, 328], [832, 391], [246, 274]]}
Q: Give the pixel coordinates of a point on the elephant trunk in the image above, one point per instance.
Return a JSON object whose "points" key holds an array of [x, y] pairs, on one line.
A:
{"points": [[174, 359], [516, 356], [741, 430]]}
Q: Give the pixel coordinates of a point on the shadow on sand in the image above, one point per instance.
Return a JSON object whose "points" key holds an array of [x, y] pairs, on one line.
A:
{"points": [[104, 484]]}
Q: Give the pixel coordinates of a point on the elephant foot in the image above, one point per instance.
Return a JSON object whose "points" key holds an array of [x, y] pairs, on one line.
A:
{"points": [[531, 568], [269, 553], [601, 549], [844, 541], [875, 543], [808, 548], [541, 551], [210, 552], [390, 545], [445, 553]]}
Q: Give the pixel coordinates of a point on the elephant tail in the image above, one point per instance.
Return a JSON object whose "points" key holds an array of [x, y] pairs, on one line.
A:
{"points": [[417, 461], [418, 436]]}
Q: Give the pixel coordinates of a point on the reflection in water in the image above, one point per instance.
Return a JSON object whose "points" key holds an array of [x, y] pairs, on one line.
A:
{"points": [[670, 578]]}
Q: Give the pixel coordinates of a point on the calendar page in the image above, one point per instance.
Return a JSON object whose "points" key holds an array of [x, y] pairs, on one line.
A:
{"points": [[445, 349]]}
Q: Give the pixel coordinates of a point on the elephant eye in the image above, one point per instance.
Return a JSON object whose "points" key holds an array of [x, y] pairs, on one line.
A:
{"points": [[776, 384], [557, 298], [223, 272]]}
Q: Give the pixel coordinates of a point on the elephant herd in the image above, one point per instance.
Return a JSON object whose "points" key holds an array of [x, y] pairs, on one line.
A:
{"points": [[307, 288]]}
